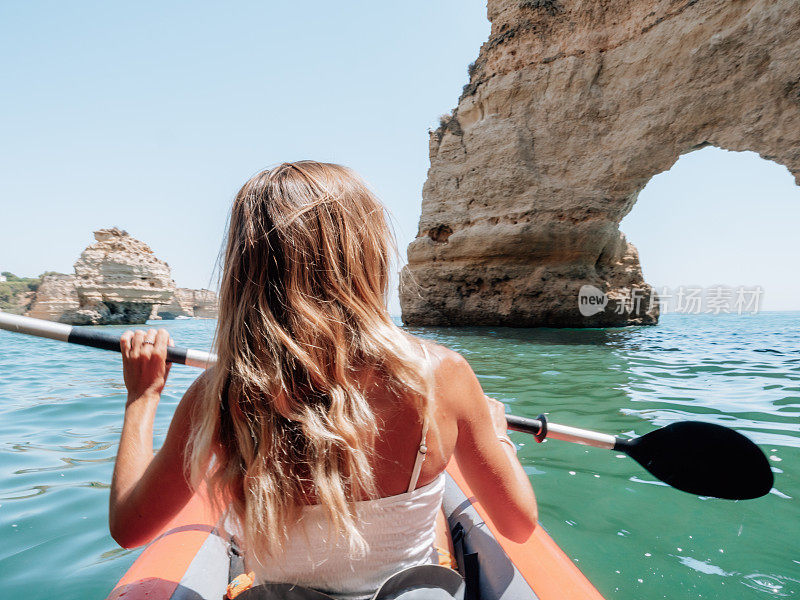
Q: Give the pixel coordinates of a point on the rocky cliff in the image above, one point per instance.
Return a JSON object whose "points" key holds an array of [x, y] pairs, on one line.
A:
{"points": [[570, 109], [186, 302], [117, 280], [55, 297]]}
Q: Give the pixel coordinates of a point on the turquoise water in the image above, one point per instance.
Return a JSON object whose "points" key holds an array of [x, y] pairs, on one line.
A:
{"points": [[61, 409]]}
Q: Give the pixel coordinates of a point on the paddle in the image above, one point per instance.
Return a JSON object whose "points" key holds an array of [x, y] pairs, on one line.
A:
{"points": [[699, 458], [94, 338]]}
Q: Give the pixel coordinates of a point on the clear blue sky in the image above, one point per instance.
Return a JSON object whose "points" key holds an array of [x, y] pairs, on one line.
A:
{"points": [[721, 218], [150, 116]]}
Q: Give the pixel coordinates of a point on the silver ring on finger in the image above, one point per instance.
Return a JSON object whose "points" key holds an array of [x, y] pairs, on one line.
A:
{"points": [[149, 342]]}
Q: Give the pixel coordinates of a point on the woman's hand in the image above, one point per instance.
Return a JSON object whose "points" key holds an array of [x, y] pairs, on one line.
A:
{"points": [[144, 362], [498, 411]]}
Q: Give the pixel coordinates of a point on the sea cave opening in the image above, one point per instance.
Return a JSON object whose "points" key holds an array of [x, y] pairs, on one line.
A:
{"points": [[724, 223]]}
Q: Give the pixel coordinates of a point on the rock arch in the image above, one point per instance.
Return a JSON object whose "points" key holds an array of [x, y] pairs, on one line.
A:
{"points": [[570, 109]]}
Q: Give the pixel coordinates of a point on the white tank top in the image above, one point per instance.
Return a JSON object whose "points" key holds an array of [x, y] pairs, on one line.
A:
{"points": [[399, 531]]}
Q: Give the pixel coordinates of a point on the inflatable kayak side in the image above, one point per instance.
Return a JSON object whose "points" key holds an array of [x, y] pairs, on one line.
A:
{"points": [[534, 569], [190, 560]]}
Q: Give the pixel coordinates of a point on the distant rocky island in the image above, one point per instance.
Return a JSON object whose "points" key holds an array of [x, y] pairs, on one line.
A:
{"points": [[117, 280]]}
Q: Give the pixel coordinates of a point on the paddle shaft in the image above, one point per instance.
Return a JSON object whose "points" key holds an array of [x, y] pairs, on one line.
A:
{"points": [[94, 338], [565, 433]]}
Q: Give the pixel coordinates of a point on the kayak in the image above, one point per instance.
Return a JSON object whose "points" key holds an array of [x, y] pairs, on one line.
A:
{"points": [[190, 560]]}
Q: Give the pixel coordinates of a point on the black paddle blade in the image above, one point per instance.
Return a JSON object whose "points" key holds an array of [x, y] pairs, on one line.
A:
{"points": [[703, 459]]}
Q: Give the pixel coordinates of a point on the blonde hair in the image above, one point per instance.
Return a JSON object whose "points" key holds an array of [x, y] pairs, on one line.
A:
{"points": [[284, 419]]}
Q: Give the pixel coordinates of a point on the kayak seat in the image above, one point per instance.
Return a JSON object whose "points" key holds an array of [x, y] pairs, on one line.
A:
{"points": [[422, 582]]}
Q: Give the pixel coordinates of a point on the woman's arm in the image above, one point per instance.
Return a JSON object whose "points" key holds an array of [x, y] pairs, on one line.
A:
{"points": [[489, 465], [146, 490]]}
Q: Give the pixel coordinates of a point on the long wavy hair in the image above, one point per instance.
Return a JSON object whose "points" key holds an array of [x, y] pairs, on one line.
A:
{"points": [[303, 328]]}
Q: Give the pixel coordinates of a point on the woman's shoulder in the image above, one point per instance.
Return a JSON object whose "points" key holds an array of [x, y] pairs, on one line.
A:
{"points": [[198, 387], [457, 387], [191, 401], [445, 361], [454, 380]]}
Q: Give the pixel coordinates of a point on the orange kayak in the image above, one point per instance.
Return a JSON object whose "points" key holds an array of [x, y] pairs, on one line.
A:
{"points": [[189, 559]]}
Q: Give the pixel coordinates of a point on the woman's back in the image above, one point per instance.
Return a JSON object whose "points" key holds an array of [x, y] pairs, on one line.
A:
{"points": [[410, 453], [400, 430], [317, 405], [398, 527]]}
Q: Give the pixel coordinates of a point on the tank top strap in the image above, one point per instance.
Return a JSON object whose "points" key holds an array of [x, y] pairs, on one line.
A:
{"points": [[423, 448]]}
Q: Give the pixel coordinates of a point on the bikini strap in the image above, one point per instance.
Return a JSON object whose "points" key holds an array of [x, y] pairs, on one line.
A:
{"points": [[423, 448]]}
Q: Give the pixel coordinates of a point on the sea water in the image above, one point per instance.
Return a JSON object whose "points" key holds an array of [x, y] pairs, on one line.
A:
{"points": [[634, 537]]}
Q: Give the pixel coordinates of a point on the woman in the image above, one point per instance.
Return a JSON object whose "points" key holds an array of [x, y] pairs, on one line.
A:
{"points": [[323, 427]]}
